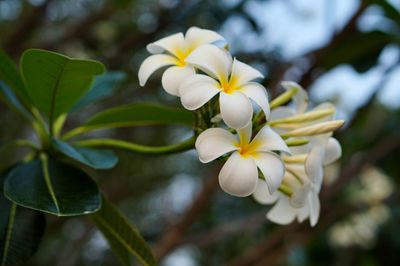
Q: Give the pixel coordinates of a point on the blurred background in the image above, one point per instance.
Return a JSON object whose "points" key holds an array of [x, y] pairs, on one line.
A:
{"points": [[343, 51]]}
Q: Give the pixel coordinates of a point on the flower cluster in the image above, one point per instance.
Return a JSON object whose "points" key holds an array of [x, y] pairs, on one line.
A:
{"points": [[277, 156]]}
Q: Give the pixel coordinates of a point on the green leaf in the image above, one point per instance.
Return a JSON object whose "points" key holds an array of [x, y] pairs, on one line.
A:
{"points": [[97, 159], [124, 239], [21, 230], [10, 75], [103, 87], [52, 187], [12, 101], [56, 82], [138, 114]]}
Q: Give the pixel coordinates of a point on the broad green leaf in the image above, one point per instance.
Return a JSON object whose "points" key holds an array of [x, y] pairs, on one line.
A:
{"points": [[124, 239], [103, 87], [138, 114], [10, 75], [12, 101], [56, 82], [52, 187], [21, 230], [97, 159]]}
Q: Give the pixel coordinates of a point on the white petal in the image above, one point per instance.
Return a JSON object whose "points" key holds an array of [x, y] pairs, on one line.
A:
{"points": [[195, 37], [269, 140], [303, 213], [174, 44], [262, 195], [314, 167], [238, 176], [213, 143], [174, 76], [258, 94], [282, 213], [333, 151], [273, 169], [214, 61], [243, 73], [281, 112], [300, 195], [236, 109], [314, 208], [245, 133], [151, 64], [300, 99], [196, 90]]}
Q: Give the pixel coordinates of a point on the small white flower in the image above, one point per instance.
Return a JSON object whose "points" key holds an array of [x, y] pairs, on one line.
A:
{"points": [[172, 51], [229, 78], [239, 174], [303, 177]]}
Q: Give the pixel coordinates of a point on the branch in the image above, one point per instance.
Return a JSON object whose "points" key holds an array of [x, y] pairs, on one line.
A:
{"points": [[174, 235], [28, 23]]}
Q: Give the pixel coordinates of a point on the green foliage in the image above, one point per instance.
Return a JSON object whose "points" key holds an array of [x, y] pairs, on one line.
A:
{"points": [[12, 101], [56, 82], [53, 85], [97, 159], [123, 238], [140, 114], [50, 186], [21, 230], [10, 75], [103, 87]]}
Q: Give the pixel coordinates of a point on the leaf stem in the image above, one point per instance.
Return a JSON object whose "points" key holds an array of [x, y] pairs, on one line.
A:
{"points": [[10, 227], [25, 143], [39, 125], [137, 148]]}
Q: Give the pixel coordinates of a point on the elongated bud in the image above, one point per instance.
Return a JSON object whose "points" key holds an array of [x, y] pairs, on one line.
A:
{"points": [[320, 128], [286, 190], [283, 98], [299, 158], [296, 142], [305, 117]]}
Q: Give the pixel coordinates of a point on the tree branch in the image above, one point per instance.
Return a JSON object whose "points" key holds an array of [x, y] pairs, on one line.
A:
{"points": [[173, 236]]}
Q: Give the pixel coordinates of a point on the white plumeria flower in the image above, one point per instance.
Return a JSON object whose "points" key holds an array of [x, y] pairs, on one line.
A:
{"points": [[229, 78], [303, 176], [239, 175], [172, 51]]}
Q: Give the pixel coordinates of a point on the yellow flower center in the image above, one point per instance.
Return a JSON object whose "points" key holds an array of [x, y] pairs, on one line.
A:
{"points": [[229, 86], [181, 55], [249, 149]]}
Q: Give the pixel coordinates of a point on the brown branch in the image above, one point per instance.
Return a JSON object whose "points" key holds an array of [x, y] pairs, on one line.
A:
{"points": [[252, 255], [28, 23], [248, 224], [174, 235]]}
